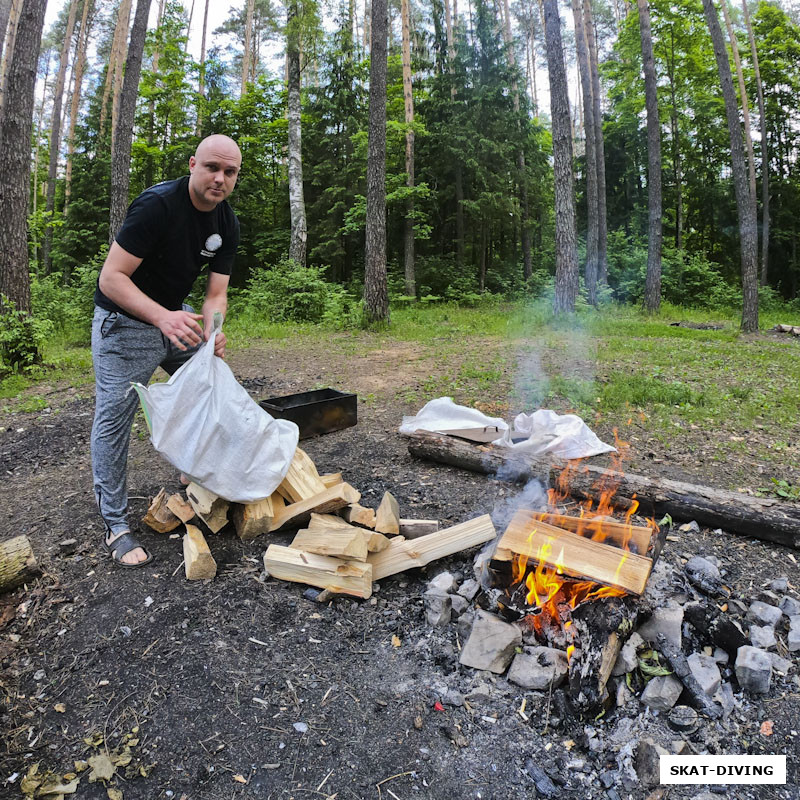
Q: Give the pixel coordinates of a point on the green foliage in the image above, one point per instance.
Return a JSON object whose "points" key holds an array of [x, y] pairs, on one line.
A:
{"points": [[22, 337], [781, 488]]}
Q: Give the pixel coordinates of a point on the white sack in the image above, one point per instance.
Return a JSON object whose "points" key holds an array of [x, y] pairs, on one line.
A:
{"points": [[203, 421], [562, 435]]}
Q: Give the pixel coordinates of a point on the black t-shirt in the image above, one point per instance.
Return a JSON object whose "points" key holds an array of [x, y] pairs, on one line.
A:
{"points": [[174, 241]]}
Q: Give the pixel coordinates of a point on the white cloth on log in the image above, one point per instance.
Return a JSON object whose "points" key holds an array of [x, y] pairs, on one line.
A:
{"points": [[564, 436], [203, 421]]}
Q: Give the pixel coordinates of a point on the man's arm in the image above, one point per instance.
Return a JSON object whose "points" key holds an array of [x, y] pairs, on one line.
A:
{"points": [[216, 300], [180, 327]]}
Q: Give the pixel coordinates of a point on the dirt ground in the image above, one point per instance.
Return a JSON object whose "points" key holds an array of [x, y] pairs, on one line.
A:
{"points": [[242, 687]]}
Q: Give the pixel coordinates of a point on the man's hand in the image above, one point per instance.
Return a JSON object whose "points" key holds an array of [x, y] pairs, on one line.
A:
{"points": [[181, 328], [219, 342]]}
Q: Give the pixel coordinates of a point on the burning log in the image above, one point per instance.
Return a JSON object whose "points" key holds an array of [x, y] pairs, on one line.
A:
{"points": [[764, 518], [636, 538]]}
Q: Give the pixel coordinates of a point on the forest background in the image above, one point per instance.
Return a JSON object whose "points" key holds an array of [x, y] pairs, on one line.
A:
{"points": [[411, 154]]}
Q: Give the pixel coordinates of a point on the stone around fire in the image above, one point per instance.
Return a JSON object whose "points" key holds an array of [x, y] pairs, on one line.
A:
{"points": [[539, 668], [662, 692], [753, 669], [667, 620], [491, 644]]}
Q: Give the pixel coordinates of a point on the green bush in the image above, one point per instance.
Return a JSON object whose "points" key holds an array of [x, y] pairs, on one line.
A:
{"points": [[22, 337]]}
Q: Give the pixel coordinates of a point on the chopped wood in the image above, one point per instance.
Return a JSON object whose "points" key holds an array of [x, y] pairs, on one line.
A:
{"points": [[402, 554], [793, 329], [180, 508], [211, 508], [768, 518], [297, 514], [573, 554], [159, 517], [387, 517], [17, 563], [302, 481], [339, 543], [277, 501], [359, 515], [338, 576], [635, 538], [253, 519], [331, 479], [198, 562], [414, 528], [376, 541]]}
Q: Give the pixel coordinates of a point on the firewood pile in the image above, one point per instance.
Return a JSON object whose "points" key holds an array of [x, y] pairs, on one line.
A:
{"points": [[340, 545]]}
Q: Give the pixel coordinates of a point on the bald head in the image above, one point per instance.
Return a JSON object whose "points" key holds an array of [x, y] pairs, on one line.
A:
{"points": [[213, 171]]}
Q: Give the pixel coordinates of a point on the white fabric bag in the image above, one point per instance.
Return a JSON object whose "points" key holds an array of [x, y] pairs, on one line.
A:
{"points": [[203, 421]]}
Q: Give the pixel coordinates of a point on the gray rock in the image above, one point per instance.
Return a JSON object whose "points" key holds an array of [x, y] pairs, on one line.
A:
{"points": [[648, 756], [720, 656], [623, 694], [68, 546], [469, 589], [683, 718], [459, 604], [726, 699], [627, 660], [480, 693], [690, 527], [753, 669], [438, 609], [794, 621], [662, 692], [453, 698], [793, 640], [780, 584], [703, 574], [464, 625], [667, 620], [779, 664], [491, 645], [706, 672], [680, 747], [789, 606], [764, 613], [444, 583], [539, 668], [763, 636]]}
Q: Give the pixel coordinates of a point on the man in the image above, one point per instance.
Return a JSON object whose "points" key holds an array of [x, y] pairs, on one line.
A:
{"points": [[170, 232]]}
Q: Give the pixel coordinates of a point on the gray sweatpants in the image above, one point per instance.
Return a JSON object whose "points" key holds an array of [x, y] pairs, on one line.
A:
{"points": [[124, 351]]}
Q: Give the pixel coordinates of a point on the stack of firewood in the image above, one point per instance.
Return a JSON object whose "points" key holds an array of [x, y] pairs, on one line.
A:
{"points": [[340, 546]]}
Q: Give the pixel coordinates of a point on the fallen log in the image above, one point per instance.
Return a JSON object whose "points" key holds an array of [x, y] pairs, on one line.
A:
{"points": [[770, 519], [17, 563]]}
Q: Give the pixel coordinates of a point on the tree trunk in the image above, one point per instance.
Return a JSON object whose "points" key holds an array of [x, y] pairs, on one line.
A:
{"points": [[745, 201], [79, 68], [591, 153], [115, 59], [5, 14], [408, 97], [37, 146], [16, 127], [297, 206], [55, 132], [202, 74], [764, 150], [652, 289], [123, 135], [566, 287], [602, 223], [376, 298], [9, 35], [248, 39]]}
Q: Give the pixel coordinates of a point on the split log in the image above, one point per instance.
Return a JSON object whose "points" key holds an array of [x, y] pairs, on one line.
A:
{"points": [[180, 508], [538, 542], [331, 479], [770, 519], [387, 517], [198, 562], [635, 538], [359, 515], [302, 480], [159, 517], [414, 528], [212, 509], [375, 541], [401, 555], [337, 543], [297, 514], [253, 519], [340, 577], [17, 563]]}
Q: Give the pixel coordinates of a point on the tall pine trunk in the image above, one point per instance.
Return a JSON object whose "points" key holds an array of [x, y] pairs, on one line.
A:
{"points": [[16, 127], [408, 100], [591, 154], [123, 135], [248, 39], [5, 14], [115, 59], [566, 288], [745, 201], [14, 12], [602, 222], [297, 206], [764, 150], [376, 296], [652, 289], [55, 132], [201, 80]]}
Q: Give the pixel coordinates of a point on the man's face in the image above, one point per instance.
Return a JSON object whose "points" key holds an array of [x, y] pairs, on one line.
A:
{"points": [[213, 171]]}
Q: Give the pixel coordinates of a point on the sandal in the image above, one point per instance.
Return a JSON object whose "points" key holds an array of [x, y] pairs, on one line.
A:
{"points": [[122, 545]]}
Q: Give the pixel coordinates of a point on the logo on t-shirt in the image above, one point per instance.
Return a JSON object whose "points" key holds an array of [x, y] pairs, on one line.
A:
{"points": [[213, 243]]}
